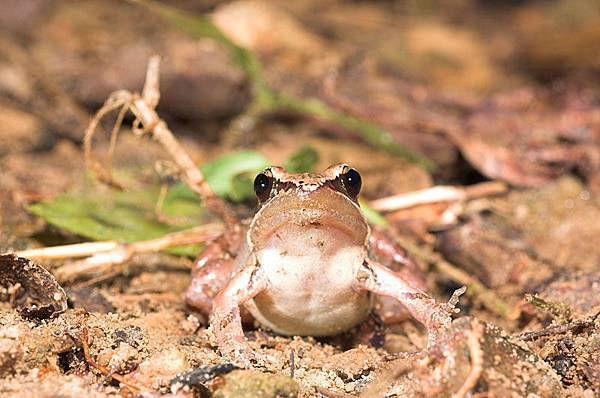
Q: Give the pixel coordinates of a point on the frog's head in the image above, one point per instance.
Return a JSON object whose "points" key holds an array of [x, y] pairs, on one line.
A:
{"points": [[313, 200]]}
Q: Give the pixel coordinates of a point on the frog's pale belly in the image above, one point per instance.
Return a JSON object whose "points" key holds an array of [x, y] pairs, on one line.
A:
{"points": [[310, 282]]}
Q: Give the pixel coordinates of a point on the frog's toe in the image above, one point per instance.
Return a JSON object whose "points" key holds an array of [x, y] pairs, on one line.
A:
{"points": [[441, 317]]}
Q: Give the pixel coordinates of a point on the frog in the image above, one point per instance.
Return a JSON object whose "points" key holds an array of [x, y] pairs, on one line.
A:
{"points": [[307, 264]]}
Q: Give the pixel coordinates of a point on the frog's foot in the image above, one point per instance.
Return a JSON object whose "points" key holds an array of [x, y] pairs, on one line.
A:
{"points": [[442, 317], [380, 280], [225, 319]]}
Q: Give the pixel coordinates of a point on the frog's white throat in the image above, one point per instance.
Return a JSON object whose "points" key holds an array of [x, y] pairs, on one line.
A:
{"points": [[310, 248]]}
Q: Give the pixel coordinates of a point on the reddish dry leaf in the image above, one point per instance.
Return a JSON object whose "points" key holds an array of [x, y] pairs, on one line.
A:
{"points": [[529, 137]]}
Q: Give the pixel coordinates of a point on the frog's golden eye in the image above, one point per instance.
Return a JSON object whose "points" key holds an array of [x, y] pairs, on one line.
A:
{"points": [[352, 182], [262, 186]]}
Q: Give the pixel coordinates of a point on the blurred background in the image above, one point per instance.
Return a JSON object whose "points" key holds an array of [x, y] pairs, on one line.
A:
{"points": [[413, 94], [430, 73]]}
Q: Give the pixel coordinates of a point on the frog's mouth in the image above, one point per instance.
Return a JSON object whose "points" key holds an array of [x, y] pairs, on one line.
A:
{"points": [[323, 208]]}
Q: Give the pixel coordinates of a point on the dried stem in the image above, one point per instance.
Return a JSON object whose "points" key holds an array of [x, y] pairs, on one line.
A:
{"points": [[476, 355], [143, 109], [114, 135], [69, 251], [115, 101], [103, 256], [148, 122], [560, 311], [438, 194], [103, 262]]}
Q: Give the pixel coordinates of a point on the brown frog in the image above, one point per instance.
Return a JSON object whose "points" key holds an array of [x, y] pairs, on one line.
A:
{"points": [[306, 265]]}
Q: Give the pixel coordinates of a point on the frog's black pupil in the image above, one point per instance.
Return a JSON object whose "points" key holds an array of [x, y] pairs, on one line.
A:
{"points": [[352, 182], [262, 186]]}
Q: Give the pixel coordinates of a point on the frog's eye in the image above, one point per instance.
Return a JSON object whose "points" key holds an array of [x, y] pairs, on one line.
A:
{"points": [[352, 182], [262, 186]]}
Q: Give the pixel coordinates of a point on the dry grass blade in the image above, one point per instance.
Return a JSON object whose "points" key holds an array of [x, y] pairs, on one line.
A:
{"points": [[438, 194], [103, 256]]}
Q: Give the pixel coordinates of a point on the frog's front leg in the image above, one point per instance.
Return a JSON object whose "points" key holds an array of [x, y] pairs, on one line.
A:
{"points": [[210, 273], [225, 319], [384, 249], [380, 280]]}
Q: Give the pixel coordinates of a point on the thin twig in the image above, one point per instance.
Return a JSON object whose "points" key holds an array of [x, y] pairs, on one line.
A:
{"points": [[560, 311], [143, 109], [194, 235], [115, 101], [162, 195], [120, 378], [148, 122], [151, 90], [69, 251], [476, 355], [114, 135], [104, 261], [103, 256], [437, 194], [552, 330]]}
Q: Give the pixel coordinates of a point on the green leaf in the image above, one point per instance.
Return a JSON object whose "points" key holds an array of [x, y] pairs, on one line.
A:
{"points": [[99, 213], [102, 214], [302, 161], [231, 175]]}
